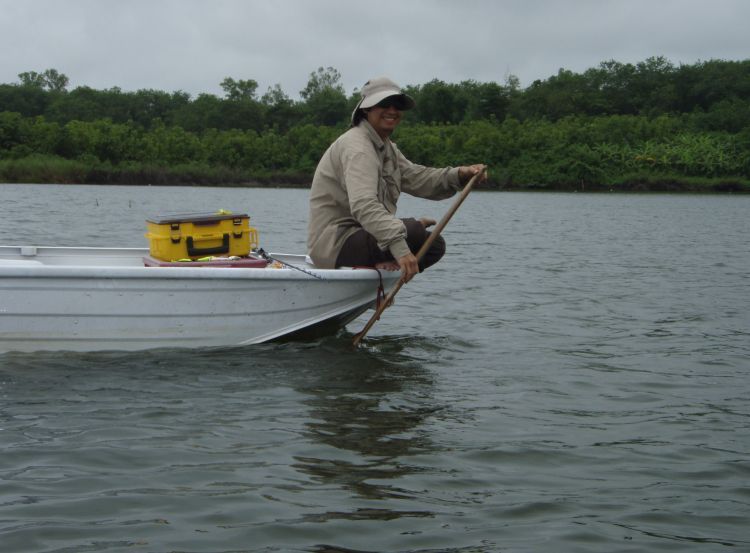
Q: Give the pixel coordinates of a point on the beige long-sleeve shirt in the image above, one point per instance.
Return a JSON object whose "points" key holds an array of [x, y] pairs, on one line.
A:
{"points": [[357, 185]]}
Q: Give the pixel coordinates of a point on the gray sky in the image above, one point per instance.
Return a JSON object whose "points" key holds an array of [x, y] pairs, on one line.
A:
{"points": [[191, 45]]}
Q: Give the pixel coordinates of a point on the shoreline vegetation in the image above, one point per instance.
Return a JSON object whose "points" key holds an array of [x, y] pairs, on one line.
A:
{"points": [[648, 127], [36, 170]]}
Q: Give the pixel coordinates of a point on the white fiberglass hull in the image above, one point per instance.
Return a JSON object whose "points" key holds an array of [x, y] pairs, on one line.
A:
{"points": [[88, 299]]}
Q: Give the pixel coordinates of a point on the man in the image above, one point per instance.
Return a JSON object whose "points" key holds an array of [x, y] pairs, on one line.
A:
{"points": [[357, 185]]}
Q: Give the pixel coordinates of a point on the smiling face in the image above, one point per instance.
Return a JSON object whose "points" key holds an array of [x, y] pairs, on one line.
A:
{"points": [[384, 117]]}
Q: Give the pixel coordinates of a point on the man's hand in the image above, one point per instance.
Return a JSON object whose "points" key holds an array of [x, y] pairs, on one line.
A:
{"points": [[467, 171], [409, 267]]}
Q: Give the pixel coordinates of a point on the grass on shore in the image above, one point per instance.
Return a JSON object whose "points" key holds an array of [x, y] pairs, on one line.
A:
{"points": [[45, 169]]}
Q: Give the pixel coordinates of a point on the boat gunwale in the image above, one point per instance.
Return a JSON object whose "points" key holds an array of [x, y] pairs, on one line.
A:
{"points": [[102, 269]]}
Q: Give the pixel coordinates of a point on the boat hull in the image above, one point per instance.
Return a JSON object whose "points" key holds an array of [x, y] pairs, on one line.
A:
{"points": [[79, 304]]}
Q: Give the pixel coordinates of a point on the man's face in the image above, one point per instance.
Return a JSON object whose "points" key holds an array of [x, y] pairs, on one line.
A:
{"points": [[384, 117]]}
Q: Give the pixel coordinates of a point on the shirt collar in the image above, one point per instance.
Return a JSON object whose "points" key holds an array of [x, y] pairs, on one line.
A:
{"points": [[380, 144]]}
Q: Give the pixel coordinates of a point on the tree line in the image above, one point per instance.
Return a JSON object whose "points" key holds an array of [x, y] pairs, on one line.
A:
{"points": [[615, 126]]}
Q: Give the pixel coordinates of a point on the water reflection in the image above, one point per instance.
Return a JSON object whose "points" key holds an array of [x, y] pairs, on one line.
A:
{"points": [[362, 404]]}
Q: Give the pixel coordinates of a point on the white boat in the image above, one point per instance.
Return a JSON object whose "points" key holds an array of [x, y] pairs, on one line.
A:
{"points": [[88, 299]]}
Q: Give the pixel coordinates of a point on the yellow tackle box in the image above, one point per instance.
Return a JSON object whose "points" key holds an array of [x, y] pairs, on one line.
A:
{"points": [[196, 235]]}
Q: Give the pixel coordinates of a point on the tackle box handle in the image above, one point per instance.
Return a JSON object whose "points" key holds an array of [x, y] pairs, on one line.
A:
{"points": [[193, 251]]}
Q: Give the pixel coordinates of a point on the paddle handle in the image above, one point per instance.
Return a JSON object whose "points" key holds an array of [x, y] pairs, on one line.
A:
{"points": [[420, 254]]}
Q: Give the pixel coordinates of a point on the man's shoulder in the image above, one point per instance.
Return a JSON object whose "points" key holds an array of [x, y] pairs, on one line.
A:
{"points": [[354, 135], [355, 139]]}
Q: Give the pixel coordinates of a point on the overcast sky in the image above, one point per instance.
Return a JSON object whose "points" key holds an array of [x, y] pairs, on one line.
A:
{"points": [[192, 45]]}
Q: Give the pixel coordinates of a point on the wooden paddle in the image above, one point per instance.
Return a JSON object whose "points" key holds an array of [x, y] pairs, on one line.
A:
{"points": [[426, 246]]}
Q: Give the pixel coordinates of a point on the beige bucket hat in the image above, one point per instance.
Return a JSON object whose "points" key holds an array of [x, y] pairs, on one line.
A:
{"points": [[378, 89]]}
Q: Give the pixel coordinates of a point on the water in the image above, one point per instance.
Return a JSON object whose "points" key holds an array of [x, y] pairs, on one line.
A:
{"points": [[573, 376]]}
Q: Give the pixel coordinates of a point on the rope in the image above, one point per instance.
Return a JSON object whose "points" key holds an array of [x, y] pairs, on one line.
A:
{"points": [[380, 292]]}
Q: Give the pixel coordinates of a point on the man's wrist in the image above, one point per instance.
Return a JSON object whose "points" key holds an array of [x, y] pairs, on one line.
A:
{"points": [[399, 249]]}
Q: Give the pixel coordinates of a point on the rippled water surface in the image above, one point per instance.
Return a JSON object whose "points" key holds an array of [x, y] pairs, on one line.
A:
{"points": [[573, 376]]}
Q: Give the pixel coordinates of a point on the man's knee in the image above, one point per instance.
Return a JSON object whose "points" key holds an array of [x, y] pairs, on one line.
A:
{"points": [[415, 233], [416, 236], [438, 246]]}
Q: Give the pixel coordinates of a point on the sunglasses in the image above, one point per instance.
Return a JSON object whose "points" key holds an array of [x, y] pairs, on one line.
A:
{"points": [[391, 102]]}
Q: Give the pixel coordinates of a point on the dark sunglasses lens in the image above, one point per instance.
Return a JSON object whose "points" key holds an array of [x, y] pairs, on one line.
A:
{"points": [[392, 102]]}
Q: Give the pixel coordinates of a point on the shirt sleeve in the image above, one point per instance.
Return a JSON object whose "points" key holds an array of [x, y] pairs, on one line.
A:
{"points": [[427, 182]]}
